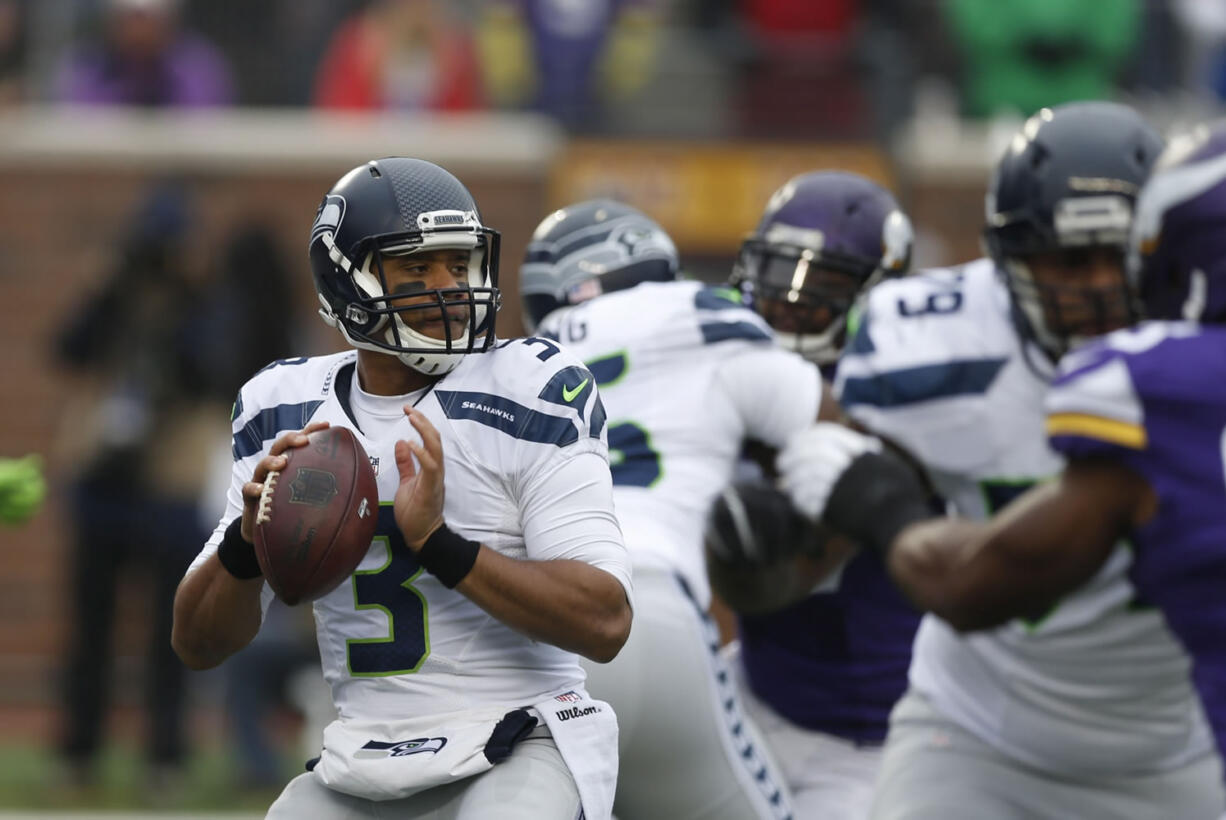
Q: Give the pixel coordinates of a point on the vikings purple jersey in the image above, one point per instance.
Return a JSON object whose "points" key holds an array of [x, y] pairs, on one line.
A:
{"points": [[1154, 398], [837, 661]]}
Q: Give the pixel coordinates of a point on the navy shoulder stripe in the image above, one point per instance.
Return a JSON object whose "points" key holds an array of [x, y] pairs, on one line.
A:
{"points": [[713, 298], [508, 416], [896, 388], [268, 422], [861, 343], [713, 332]]}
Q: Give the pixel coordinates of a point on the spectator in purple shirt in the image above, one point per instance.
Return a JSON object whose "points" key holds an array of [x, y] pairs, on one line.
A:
{"points": [[146, 58]]}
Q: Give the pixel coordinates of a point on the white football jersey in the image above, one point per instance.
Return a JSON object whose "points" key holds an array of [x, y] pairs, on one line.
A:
{"points": [[1098, 685], [687, 374], [393, 640]]}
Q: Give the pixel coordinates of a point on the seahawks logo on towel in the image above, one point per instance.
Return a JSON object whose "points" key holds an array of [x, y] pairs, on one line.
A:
{"points": [[400, 748]]}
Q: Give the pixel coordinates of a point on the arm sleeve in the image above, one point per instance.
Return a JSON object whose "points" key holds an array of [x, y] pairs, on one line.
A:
{"points": [[773, 391], [567, 513]]}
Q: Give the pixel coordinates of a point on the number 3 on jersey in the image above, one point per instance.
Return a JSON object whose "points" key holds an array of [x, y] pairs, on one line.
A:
{"points": [[390, 589]]}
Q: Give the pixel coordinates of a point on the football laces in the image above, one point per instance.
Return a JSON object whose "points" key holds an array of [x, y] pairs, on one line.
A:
{"points": [[264, 513]]}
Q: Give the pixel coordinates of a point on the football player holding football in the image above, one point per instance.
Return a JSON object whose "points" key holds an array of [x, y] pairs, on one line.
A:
{"points": [[452, 651]]}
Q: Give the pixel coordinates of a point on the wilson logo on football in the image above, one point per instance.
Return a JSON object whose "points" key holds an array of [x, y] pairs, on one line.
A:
{"points": [[314, 488]]}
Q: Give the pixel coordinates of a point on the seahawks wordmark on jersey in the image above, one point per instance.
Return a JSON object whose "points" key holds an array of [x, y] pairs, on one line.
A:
{"points": [[1154, 399], [1098, 685]]}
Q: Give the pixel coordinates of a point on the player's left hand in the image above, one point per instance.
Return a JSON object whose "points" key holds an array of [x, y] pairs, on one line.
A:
{"points": [[418, 505], [813, 461], [22, 488]]}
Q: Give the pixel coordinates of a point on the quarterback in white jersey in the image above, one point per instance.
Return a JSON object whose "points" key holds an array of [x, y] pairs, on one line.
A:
{"points": [[687, 375], [451, 650], [1085, 708]]}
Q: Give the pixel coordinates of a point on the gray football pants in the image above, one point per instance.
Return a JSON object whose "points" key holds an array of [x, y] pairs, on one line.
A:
{"points": [[934, 770], [686, 749], [532, 784]]}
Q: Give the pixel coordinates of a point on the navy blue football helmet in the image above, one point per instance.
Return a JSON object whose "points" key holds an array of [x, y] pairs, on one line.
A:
{"points": [[1064, 189], [824, 238], [590, 248], [394, 207], [1177, 259]]}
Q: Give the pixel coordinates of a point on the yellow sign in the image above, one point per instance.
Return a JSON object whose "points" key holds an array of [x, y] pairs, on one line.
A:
{"points": [[707, 196]]}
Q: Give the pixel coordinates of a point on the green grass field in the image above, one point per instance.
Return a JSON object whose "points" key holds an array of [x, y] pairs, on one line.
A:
{"points": [[34, 784]]}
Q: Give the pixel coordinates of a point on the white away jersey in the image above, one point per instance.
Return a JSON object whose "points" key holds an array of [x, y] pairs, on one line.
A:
{"points": [[1096, 686], [392, 639], [687, 374]]}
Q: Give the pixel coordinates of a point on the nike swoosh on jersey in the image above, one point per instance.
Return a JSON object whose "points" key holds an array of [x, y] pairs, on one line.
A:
{"points": [[569, 393]]}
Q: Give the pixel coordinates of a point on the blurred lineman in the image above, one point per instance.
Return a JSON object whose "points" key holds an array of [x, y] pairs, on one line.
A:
{"points": [[452, 647], [687, 374], [821, 664], [22, 488], [1084, 707], [1139, 415]]}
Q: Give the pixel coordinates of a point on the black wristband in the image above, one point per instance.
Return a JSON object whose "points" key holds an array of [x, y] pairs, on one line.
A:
{"points": [[877, 497], [448, 556], [237, 554]]}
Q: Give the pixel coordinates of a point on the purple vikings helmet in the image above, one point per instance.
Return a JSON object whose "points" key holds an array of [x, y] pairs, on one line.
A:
{"points": [[1177, 260], [824, 239]]}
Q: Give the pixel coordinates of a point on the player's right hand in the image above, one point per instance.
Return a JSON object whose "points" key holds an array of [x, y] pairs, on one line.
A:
{"points": [[275, 461], [813, 461]]}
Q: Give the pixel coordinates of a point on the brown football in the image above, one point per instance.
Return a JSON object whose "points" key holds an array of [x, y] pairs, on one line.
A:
{"points": [[317, 516]]}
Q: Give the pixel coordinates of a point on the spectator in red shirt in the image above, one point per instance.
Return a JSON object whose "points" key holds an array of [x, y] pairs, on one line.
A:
{"points": [[406, 54]]}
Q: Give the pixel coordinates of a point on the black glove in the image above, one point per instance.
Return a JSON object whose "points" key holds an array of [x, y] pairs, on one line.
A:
{"points": [[753, 524], [876, 498]]}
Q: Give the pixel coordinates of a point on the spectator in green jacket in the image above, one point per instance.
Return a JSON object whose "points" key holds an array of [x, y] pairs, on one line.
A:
{"points": [[1022, 55]]}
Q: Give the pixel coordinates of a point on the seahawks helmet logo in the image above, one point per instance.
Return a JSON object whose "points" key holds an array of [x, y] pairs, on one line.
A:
{"points": [[328, 217]]}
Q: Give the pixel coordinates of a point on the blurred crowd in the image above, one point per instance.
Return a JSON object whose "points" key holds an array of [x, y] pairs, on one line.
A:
{"points": [[772, 68]]}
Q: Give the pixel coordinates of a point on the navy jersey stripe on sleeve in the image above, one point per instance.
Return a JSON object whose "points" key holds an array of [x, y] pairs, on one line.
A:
{"points": [[508, 416], [718, 299], [861, 343], [270, 421], [912, 385], [713, 332]]}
